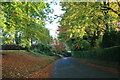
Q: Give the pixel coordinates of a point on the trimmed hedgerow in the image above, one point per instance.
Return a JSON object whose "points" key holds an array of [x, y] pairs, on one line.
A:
{"points": [[110, 54]]}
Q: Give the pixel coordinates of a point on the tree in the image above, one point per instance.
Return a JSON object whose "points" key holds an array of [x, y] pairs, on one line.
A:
{"points": [[85, 22], [23, 22]]}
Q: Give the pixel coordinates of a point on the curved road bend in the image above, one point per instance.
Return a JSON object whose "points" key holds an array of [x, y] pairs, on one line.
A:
{"points": [[68, 68]]}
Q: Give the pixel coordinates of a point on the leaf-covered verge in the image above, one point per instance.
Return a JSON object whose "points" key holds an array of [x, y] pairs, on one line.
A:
{"points": [[18, 64]]}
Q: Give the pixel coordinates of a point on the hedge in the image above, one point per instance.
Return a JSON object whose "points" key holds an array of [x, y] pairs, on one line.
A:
{"points": [[109, 54], [13, 47]]}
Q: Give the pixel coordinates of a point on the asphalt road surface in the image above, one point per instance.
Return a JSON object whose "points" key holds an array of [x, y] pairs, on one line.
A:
{"points": [[69, 68]]}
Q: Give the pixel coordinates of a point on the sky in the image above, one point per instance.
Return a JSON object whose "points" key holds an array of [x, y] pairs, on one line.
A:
{"points": [[54, 25]]}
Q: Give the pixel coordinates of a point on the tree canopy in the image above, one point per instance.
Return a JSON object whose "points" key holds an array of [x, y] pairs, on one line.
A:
{"points": [[23, 22], [84, 24]]}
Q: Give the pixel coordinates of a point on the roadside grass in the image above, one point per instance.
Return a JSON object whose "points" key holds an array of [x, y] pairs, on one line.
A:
{"points": [[32, 53], [3, 52], [37, 54], [14, 50]]}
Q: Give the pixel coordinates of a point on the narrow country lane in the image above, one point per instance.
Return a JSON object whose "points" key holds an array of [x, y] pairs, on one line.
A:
{"points": [[68, 68]]}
